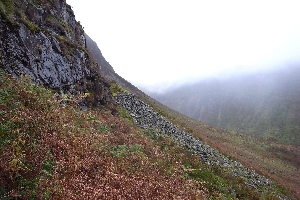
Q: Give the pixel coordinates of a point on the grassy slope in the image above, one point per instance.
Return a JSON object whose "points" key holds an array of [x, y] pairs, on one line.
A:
{"points": [[280, 162], [54, 150]]}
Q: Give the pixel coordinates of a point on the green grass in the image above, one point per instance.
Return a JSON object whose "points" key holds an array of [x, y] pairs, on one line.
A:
{"points": [[124, 114], [32, 27], [116, 89], [103, 128], [7, 7], [123, 150], [8, 11]]}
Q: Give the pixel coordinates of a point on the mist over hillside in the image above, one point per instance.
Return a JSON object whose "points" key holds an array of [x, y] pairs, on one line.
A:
{"points": [[264, 104]]}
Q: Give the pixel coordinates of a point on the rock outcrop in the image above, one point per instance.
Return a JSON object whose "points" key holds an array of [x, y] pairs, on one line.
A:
{"points": [[42, 39]]}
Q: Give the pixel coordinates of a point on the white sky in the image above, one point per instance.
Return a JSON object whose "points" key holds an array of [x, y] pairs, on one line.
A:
{"points": [[155, 43]]}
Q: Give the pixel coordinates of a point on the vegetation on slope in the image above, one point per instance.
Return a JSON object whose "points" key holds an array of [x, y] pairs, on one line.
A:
{"points": [[53, 150], [278, 161], [50, 149]]}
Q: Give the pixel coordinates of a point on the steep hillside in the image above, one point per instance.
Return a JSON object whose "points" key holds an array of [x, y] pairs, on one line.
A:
{"points": [[51, 149], [64, 136], [107, 70], [272, 159], [280, 162], [265, 105]]}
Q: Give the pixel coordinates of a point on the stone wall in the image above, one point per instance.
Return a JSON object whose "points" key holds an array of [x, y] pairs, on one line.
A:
{"points": [[145, 117]]}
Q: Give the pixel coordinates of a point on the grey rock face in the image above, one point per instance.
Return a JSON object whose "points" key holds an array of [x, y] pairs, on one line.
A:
{"points": [[39, 56], [43, 40], [145, 117], [51, 54]]}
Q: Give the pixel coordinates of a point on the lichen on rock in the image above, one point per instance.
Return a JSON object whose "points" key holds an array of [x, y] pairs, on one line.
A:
{"points": [[42, 39]]}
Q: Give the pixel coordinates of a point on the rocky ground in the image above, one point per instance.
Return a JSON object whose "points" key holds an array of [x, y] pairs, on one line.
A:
{"points": [[145, 117]]}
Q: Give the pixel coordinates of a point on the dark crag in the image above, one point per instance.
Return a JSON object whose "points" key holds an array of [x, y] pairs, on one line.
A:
{"points": [[43, 40]]}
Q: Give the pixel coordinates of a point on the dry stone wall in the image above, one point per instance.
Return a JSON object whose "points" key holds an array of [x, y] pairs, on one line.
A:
{"points": [[145, 117]]}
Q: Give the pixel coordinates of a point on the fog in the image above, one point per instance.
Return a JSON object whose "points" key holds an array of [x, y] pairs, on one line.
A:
{"points": [[160, 44], [265, 104]]}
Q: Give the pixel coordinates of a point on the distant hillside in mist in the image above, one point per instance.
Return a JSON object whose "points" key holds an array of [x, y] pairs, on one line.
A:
{"points": [[262, 104]]}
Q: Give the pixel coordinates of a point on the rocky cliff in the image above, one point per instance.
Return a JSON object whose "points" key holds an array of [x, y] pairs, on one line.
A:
{"points": [[42, 39]]}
